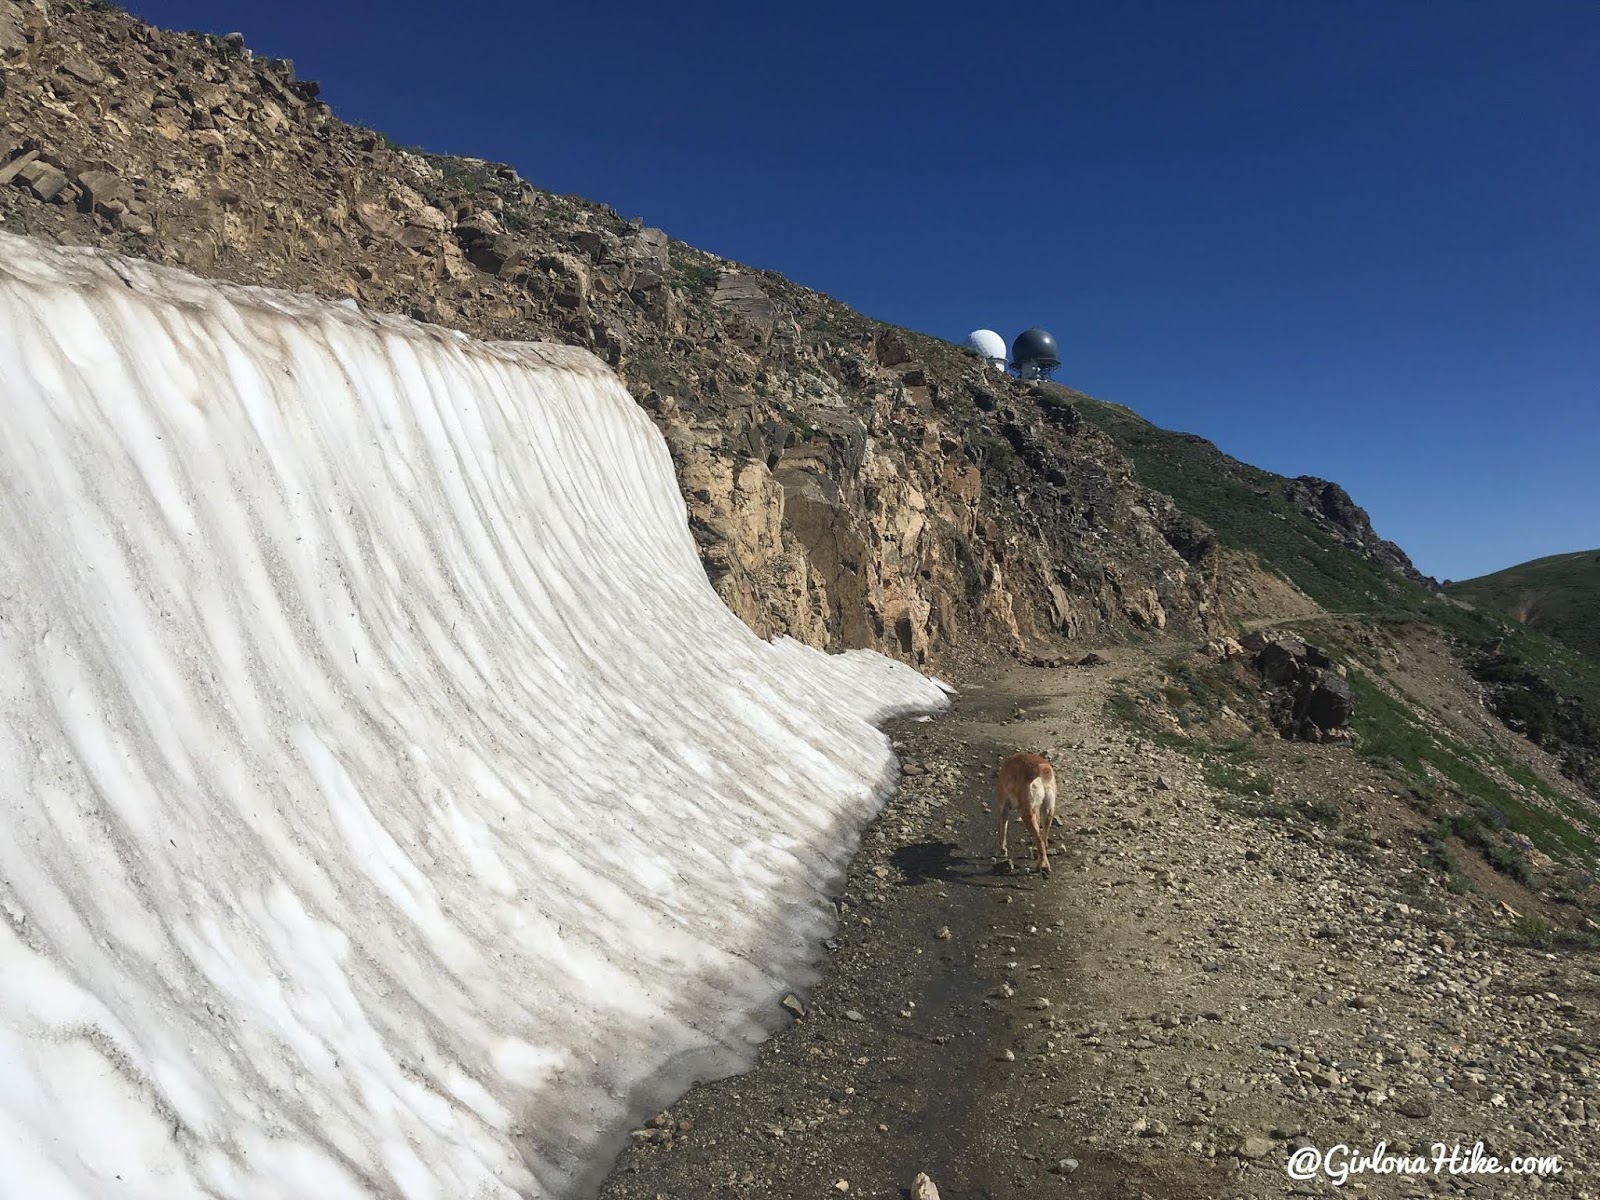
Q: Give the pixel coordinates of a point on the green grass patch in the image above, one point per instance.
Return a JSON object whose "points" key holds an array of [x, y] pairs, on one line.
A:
{"points": [[1227, 767], [1227, 775], [1240, 750], [696, 279], [1314, 811], [1258, 807], [1538, 934], [1531, 931], [1441, 858], [1198, 692], [1355, 843], [1473, 830], [1125, 708], [1391, 734]]}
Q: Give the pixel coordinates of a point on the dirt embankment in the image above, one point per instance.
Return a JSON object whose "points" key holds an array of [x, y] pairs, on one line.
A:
{"points": [[1196, 995]]}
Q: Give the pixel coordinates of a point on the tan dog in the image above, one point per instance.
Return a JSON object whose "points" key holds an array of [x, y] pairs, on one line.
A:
{"points": [[1027, 783]]}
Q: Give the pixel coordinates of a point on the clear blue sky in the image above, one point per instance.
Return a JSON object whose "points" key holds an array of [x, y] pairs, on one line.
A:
{"points": [[1355, 239]]}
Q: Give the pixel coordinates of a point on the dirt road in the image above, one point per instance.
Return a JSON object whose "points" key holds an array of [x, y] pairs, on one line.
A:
{"points": [[1194, 995]]}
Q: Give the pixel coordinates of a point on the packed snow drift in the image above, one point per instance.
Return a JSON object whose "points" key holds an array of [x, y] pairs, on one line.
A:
{"points": [[388, 805]]}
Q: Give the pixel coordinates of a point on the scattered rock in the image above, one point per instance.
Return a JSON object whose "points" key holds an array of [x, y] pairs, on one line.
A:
{"points": [[82, 69], [12, 169], [46, 182], [104, 191]]}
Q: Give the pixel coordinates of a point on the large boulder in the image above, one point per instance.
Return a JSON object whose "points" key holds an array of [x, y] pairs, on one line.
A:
{"points": [[1329, 700], [1309, 699], [105, 191]]}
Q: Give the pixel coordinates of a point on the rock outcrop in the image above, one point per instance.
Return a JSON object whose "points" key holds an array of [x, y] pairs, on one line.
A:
{"points": [[1330, 507], [1310, 700]]}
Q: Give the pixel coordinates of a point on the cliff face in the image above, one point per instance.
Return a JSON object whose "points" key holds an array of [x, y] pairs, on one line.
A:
{"points": [[848, 483]]}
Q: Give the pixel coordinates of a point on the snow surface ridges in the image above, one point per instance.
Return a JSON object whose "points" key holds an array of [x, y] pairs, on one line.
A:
{"points": [[388, 805]]}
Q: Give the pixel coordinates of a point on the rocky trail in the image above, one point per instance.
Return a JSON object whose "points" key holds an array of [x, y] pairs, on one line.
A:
{"points": [[1196, 995]]}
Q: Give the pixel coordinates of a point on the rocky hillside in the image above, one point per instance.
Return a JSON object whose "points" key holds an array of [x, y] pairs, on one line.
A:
{"points": [[849, 483], [1558, 595], [1312, 536], [1307, 528]]}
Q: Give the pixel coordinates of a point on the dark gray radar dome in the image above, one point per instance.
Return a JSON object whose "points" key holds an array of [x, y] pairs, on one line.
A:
{"points": [[1035, 350]]}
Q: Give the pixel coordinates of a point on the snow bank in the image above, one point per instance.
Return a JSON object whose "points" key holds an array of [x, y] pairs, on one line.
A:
{"points": [[388, 806]]}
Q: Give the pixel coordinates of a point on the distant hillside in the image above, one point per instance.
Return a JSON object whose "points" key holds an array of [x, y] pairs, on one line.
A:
{"points": [[1558, 595]]}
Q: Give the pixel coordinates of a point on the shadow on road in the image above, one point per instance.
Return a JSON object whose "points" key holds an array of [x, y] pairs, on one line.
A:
{"points": [[944, 862]]}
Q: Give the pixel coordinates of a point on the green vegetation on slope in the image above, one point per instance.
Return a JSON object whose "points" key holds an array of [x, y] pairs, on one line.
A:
{"points": [[1432, 761], [1559, 595], [1248, 509], [1547, 690]]}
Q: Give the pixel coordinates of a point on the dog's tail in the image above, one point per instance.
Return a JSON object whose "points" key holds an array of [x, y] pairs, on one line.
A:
{"points": [[1041, 813], [1042, 793]]}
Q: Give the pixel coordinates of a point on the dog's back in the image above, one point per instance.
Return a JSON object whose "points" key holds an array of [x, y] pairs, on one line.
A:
{"points": [[1027, 784]]}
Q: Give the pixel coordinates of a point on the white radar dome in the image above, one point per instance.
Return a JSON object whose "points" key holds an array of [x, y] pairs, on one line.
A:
{"points": [[989, 344]]}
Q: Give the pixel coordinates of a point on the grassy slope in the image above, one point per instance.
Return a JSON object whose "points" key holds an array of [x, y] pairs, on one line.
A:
{"points": [[1392, 733], [1550, 688], [1559, 595]]}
